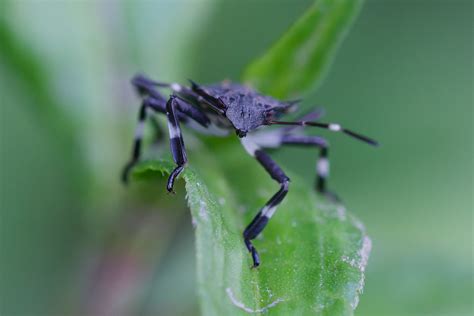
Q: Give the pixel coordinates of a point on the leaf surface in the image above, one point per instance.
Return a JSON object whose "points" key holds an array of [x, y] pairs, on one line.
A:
{"points": [[313, 252], [298, 61]]}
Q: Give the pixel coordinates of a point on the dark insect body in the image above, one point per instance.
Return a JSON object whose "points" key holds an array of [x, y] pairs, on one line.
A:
{"points": [[221, 108]]}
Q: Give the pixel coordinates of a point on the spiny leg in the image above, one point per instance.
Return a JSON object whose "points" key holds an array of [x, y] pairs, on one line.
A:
{"points": [[263, 216], [176, 141]]}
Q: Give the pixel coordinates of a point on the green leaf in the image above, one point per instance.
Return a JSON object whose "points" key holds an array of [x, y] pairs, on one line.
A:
{"points": [[313, 252], [299, 59]]}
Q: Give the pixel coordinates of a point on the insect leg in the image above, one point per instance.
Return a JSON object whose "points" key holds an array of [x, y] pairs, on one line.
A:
{"points": [[263, 216], [322, 165], [146, 86], [184, 112], [277, 138], [147, 103], [176, 141]]}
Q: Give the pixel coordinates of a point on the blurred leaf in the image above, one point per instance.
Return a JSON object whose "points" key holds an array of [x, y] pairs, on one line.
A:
{"points": [[298, 61], [41, 189], [313, 253]]}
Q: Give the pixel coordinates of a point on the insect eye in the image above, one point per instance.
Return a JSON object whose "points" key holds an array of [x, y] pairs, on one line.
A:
{"points": [[268, 115]]}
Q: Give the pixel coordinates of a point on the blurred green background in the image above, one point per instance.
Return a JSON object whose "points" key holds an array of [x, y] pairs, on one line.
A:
{"points": [[74, 242]]}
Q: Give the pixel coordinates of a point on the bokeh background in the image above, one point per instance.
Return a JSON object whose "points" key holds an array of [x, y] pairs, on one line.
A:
{"points": [[75, 242]]}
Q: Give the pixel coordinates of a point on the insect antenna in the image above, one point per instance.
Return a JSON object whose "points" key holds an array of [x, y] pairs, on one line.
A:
{"points": [[310, 116], [333, 127]]}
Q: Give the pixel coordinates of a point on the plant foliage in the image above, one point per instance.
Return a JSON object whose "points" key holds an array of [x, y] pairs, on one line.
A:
{"points": [[313, 251]]}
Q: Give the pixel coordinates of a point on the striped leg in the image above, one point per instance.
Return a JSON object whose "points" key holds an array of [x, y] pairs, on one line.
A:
{"points": [[154, 100], [322, 171], [322, 165], [137, 144], [263, 216], [275, 139], [176, 141]]}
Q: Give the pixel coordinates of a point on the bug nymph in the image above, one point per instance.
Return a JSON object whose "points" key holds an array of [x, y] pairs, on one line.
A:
{"points": [[221, 108]]}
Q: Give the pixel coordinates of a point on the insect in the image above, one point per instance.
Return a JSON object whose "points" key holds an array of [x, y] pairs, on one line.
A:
{"points": [[221, 108]]}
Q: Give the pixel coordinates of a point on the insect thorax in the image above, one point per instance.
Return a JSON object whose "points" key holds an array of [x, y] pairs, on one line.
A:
{"points": [[246, 109]]}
